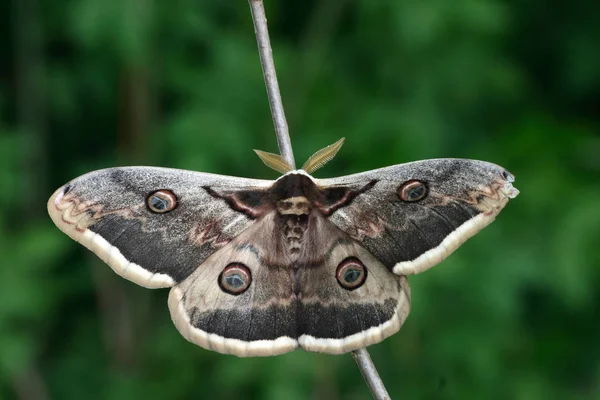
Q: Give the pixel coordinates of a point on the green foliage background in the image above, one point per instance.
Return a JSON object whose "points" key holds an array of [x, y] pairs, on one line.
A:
{"points": [[87, 84]]}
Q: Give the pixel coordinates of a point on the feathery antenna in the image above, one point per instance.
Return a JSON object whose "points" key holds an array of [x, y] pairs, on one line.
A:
{"points": [[322, 156], [274, 161]]}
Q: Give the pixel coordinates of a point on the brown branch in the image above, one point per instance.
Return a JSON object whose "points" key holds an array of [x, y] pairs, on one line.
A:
{"points": [[268, 66], [361, 356], [370, 374]]}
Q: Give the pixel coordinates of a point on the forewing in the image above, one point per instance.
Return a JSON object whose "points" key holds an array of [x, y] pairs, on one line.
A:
{"points": [[463, 196], [107, 212]]}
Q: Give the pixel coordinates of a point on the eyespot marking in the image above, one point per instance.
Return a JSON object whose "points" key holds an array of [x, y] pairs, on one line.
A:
{"points": [[413, 190], [351, 273], [235, 279], [161, 201]]}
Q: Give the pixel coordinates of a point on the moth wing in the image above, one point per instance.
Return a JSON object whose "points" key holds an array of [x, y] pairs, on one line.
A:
{"points": [[261, 321], [463, 196], [284, 307], [107, 212], [335, 319]]}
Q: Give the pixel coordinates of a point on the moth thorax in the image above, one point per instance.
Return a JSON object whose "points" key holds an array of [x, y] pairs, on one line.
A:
{"points": [[294, 206]]}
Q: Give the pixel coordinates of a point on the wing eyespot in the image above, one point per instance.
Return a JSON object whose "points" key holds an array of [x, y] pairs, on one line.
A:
{"points": [[351, 273], [235, 279], [161, 201], [413, 190]]}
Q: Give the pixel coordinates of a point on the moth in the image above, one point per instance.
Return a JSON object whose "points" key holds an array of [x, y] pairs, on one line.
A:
{"points": [[260, 267]]}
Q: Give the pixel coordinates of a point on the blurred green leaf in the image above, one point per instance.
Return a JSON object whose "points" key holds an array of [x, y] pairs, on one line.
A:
{"points": [[92, 84]]}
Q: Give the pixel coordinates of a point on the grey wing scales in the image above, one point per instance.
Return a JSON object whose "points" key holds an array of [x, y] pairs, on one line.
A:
{"points": [[409, 237], [289, 304], [261, 321], [288, 242], [334, 319], [107, 212]]}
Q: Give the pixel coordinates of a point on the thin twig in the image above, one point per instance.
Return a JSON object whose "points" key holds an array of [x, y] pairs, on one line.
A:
{"points": [[361, 356], [370, 374], [268, 67]]}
